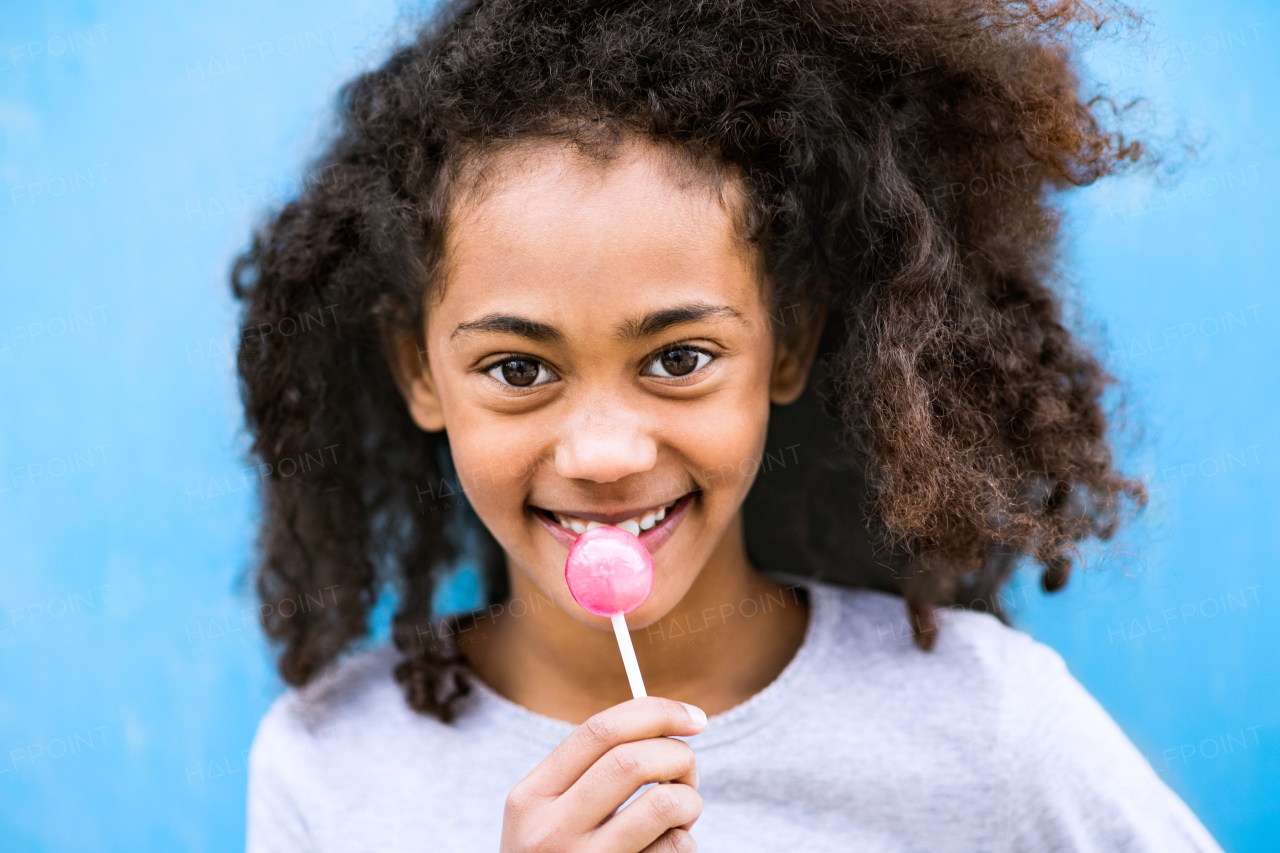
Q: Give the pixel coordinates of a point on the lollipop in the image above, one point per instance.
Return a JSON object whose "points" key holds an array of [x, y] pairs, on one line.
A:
{"points": [[610, 573]]}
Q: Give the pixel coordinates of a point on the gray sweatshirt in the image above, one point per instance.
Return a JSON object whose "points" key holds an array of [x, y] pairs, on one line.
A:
{"points": [[863, 743]]}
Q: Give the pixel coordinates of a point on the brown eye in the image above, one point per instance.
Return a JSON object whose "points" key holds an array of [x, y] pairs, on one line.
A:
{"points": [[521, 372], [678, 362]]}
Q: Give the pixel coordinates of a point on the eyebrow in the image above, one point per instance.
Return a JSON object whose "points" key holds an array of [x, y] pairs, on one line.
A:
{"points": [[508, 324], [659, 321], [651, 324]]}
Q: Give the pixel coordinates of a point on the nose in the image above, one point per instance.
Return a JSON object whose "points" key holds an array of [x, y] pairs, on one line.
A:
{"points": [[604, 441]]}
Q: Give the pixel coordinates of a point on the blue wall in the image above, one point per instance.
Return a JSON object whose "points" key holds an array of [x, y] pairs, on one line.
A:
{"points": [[138, 146]]}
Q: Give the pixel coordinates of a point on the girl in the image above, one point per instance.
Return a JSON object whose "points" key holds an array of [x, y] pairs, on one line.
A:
{"points": [[580, 253]]}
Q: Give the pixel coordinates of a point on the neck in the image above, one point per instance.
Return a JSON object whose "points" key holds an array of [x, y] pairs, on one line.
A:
{"points": [[728, 638]]}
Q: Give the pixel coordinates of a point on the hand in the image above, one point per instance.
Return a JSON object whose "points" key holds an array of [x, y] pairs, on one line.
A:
{"points": [[567, 802]]}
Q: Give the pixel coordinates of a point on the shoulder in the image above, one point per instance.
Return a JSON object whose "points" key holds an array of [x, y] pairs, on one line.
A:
{"points": [[322, 748], [315, 739], [983, 681], [354, 691], [1011, 708], [872, 630], [987, 679]]}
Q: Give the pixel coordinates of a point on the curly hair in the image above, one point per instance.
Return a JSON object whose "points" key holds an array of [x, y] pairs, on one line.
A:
{"points": [[900, 164]]}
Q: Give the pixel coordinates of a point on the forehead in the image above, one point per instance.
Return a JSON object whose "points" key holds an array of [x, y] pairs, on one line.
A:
{"points": [[544, 221], [515, 187], [485, 178]]}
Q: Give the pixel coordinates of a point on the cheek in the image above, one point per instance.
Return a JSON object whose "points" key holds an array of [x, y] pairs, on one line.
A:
{"points": [[492, 466], [725, 440]]}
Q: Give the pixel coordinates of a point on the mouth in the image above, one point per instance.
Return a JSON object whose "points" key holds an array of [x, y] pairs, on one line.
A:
{"points": [[653, 526]]}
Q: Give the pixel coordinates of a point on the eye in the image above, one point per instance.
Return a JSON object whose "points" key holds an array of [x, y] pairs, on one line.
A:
{"points": [[678, 361], [521, 372]]}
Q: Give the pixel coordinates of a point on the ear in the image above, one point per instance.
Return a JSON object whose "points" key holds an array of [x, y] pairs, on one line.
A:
{"points": [[792, 357], [412, 373]]}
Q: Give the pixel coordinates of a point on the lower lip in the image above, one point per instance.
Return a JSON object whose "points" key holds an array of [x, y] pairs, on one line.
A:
{"points": [[652, 538]]}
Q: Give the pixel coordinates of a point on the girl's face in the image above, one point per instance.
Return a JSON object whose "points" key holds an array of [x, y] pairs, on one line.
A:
{"points": [[601, 353]]}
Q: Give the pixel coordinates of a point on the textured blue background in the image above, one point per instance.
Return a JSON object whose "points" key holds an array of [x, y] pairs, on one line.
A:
{"points": [[138, 146]]}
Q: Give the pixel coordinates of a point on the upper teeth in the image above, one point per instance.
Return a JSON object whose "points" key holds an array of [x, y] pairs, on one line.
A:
{"points": [[631, 525]]}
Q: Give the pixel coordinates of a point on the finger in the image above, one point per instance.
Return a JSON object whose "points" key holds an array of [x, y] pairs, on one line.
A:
{"points": [[635, 719], [673, 841], [657, 810], [610, 781]]}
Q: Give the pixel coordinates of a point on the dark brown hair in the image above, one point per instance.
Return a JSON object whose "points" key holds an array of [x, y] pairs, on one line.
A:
{"points": [[900, 163]]}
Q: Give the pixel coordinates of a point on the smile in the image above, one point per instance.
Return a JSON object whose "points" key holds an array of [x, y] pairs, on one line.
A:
{"points": [[653, 526], [631, 525]]}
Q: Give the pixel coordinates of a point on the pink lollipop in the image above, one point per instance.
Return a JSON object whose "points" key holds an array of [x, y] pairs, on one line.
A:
{"points": [[610, 573]]}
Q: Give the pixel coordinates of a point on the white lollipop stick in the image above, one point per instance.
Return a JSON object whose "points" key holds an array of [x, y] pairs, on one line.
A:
{"points": [[628, 655], [610, 573]]}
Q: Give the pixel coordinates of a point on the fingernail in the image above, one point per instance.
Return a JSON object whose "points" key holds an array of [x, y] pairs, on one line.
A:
{"points": [[696, 714]]}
